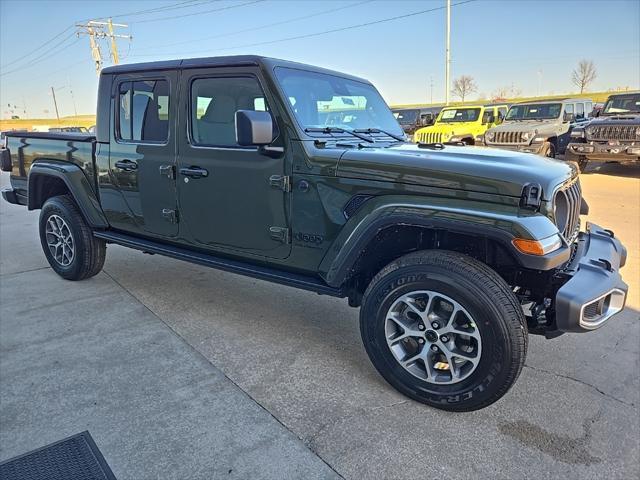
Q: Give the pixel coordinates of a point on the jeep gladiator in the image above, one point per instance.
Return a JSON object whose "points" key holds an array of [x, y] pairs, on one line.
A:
{"points": [[613, 136], [461, 124], [541, 127], [302, 176]]}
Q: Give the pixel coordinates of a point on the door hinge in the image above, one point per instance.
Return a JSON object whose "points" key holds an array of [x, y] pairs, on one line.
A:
{"points": [[168, 171], [283, 182], [280, 234], [170, 215]]}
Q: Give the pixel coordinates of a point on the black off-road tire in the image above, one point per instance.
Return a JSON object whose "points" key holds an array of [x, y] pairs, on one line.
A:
{"points": [[580, 160], [482, 292], [548, 150], [89, 251]]}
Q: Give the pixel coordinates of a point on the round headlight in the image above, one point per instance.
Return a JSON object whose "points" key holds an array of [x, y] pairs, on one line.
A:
{"points": [[489, 136], [526, 136]]}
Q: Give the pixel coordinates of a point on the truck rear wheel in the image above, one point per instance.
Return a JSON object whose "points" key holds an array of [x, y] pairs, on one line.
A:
{"points": [[444, 329], [68, 242]]}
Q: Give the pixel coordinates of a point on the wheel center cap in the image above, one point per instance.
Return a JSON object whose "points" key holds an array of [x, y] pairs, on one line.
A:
{"points": [[431, 336]]}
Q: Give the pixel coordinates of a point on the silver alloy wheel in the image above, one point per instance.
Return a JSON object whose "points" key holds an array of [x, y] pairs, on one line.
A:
{"points": [[60, 240], [433, 337]]}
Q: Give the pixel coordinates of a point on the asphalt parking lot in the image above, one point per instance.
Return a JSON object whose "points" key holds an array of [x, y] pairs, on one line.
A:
{"points": [[179, 371]]}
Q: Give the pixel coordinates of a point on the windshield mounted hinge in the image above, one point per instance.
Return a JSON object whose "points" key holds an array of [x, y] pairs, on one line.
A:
{"points": [[170, 215], [280, 234], [283, 182]]}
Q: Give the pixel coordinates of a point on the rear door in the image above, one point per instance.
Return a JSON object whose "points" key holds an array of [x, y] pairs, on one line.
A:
{"points": [[142, 154], [230, 197]]}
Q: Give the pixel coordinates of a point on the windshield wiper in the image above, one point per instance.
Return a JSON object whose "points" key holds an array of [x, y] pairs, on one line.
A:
{"points": [[339, 130], [378, 130]]}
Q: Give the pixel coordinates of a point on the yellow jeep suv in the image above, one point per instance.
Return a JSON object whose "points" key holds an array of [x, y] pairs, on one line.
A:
{"points": [[462, 124]]}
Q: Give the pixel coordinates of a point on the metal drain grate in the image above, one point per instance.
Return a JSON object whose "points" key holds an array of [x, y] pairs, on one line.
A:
{"points": [[74, 458]]}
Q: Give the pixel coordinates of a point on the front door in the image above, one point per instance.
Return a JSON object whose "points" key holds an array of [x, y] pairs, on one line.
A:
{"points": [[142, 154], [230, 197]]}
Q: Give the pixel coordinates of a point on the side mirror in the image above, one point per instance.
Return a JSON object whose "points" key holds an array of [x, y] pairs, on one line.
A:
{"points": [[568, 117], [254, 128]]}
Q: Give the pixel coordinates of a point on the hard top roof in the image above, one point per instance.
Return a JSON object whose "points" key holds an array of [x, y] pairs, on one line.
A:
{"points": [[225, 61], [555, 100]]}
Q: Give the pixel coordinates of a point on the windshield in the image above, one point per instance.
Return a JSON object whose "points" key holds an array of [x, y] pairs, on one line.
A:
{"points": [[460, 115], [622, 104], [535, 111], [406, 117], [320, 100]]}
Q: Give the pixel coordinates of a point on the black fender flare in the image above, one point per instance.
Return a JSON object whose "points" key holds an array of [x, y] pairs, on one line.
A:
{"points": [[76, 182], [337, 265]]}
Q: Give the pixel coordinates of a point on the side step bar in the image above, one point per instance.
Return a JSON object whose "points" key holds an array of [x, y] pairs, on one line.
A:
{"points": [[295, 280]]}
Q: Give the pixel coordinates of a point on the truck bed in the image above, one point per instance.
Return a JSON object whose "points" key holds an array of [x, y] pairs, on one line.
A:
{"points": [[27, 147]]}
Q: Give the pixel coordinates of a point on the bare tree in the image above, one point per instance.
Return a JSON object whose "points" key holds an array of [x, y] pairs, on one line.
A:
{"points": [[463, 86], [583, 74], [503, 93]]}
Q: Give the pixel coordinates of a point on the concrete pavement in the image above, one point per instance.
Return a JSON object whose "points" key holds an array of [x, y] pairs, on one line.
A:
{"points": [[572, 414]]}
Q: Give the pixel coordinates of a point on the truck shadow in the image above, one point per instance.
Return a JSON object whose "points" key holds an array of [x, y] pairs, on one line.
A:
{"points": [[614, 169]]}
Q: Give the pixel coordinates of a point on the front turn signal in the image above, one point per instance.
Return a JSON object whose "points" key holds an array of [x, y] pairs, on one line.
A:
{"points": [[538, 247]]}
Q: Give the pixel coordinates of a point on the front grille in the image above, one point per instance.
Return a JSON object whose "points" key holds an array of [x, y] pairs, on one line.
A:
{"points": [[508, 137], [429, 137], [567, 204], [627, 133]]}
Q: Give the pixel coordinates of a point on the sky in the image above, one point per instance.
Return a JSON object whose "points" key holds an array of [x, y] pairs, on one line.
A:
{"points": [[531, 46]]}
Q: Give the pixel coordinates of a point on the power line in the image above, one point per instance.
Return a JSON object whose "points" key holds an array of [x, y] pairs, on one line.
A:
{"points": [[252, 29], [45, 44], [172, 6], [173, 17], [316, 34], [182, 4], [44, 54]]}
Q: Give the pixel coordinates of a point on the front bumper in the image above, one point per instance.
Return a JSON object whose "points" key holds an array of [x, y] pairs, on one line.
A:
{"points": [[605, 152], [531, 148], [595, 291]]}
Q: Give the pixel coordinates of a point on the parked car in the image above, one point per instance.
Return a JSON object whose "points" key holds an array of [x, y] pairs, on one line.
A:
{"points": [[452, 253], [541, 127], [410, 119], [69, 129], [461, 124], [613, 136]]}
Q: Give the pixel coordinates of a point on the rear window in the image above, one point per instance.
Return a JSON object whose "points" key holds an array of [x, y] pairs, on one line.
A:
{"points": [[143, 111]]}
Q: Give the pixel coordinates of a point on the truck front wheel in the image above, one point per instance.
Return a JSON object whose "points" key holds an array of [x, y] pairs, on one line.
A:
{"points": [[67, 241], [444, 329]]}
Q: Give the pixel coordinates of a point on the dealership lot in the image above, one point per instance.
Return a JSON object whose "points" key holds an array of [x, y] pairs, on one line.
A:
{"points": [[180, 371]]}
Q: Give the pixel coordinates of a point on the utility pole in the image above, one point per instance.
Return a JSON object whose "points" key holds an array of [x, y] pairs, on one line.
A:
{"points": [[73, 99], [55, 104], [431, 78], [448, 55], [96, 30]]}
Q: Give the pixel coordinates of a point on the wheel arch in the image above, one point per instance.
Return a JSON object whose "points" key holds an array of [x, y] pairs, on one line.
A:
{"points": [[384, 233], [48, 178]]}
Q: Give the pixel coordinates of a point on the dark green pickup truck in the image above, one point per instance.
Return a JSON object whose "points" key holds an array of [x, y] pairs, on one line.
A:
{"points": [[302, 176]]}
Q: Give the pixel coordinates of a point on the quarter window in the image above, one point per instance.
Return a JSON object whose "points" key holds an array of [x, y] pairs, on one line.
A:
{"points": [[214, 103], [143, 111]]}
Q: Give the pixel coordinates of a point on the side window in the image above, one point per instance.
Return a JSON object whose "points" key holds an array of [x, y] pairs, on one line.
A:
{"points": [[143, 111], [214, 102], [568, 108], [488, 112], [580, 111]]}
